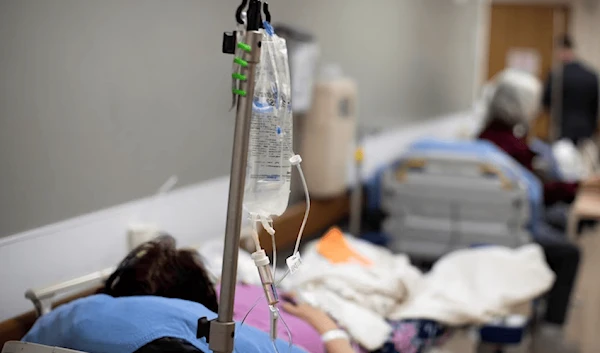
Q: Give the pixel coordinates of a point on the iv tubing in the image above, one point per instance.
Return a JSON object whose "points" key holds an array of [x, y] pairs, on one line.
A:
{"points": [[274, 245], [255, 235], [305, 219]]}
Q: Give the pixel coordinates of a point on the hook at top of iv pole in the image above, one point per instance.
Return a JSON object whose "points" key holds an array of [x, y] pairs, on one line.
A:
{"points": [[238, 12], [254, 13], [266, 11]]}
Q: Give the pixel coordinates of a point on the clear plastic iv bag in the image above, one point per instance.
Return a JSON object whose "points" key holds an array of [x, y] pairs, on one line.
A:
{"points": [[269, 170]]}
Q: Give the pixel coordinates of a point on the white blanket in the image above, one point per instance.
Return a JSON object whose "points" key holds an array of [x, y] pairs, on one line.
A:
{"points": [[212, 257], [466, 287], [359, 298], [475, 286]]}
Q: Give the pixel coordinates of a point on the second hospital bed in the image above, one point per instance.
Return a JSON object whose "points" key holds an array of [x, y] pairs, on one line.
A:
{"points": [[446, 195]]}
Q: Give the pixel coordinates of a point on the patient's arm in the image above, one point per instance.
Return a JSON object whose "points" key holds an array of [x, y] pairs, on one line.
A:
{"points": [[322, 323]]}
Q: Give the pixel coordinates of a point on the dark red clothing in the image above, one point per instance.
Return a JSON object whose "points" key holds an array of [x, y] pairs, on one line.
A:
{"points": [[503, 137]]}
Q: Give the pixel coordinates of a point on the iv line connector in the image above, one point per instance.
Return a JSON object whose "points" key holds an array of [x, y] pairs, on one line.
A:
{"points": [[262, 262]]}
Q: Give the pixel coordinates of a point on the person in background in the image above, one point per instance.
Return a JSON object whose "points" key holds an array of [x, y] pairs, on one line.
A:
{"points": [[512, 106], [514, 103], [578, 114]]}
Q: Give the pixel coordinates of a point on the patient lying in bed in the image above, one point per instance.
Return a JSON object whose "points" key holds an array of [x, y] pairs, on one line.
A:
{"points": [[152, 302], [157, 283]]}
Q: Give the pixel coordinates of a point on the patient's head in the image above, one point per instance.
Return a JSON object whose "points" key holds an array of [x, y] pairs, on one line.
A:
{"points": [[159, 268], [516, 98]]}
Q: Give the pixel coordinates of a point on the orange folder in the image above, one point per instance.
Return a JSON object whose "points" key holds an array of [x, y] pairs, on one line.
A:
{"points": [[334, 247]]}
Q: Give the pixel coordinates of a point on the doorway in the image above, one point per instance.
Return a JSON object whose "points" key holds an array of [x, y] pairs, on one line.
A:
{"points": [[526, 34]]}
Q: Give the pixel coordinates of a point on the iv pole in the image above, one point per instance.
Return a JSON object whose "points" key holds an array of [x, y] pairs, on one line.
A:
{"points": [[220, 333]]}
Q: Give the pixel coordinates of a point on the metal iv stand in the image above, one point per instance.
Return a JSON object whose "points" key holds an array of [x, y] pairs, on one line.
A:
{"points": [[220, 333]]}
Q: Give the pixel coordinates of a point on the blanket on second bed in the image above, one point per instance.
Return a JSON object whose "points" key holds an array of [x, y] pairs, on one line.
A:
{"points": [[471, 286]]}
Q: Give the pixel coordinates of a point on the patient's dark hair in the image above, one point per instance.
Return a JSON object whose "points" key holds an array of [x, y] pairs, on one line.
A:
{"points": [[158, 268]]}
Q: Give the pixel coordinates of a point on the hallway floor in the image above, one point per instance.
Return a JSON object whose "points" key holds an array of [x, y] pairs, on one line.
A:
{"points": [[583, 328]]}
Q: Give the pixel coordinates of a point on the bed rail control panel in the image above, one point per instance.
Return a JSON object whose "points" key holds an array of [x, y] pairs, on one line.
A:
{"points": [[474, 169]]}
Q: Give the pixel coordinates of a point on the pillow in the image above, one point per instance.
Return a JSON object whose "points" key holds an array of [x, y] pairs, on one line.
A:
{"points": [[103, 324]]}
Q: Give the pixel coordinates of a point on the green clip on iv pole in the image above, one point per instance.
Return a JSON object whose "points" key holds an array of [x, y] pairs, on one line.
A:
{"points": [[220, 333]]}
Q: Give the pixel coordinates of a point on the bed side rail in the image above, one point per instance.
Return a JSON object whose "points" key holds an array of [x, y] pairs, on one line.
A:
{"points": [[43, 298]]}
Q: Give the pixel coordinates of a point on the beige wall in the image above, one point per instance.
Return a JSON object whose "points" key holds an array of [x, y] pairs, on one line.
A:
{"points": [[102, 101], [586, 30], [412, 59], [482, 47]]}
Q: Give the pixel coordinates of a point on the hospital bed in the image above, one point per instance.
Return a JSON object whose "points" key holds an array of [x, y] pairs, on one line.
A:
{"points": [[442, 196]]}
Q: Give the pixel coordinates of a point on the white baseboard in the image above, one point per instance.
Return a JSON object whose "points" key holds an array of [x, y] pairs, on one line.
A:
{"points": [[193, 214]]}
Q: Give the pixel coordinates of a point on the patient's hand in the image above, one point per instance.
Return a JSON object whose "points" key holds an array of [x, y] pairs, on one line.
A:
{"points": [[313, 316]]}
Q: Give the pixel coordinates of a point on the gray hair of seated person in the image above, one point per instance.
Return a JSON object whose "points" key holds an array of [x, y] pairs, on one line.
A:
{"points": [[514, 99]]}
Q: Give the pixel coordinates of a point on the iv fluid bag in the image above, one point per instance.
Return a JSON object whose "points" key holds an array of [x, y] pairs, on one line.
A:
{"points": [[268, 173]]}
